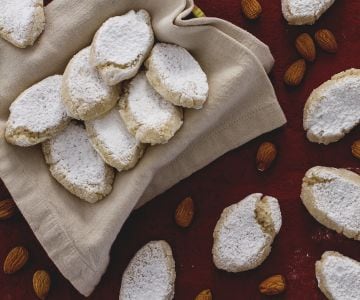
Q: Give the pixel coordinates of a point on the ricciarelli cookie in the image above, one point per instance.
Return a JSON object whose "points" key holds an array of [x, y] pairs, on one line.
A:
{"points": [[115, 144], [150, 274], [77, 166], [332, 197], [301, 12], [177, 76], [85, 95], [121, 45], [244, 233], [338, 276], [147, 115], [37, 114], [21, 21], [333, 109]]}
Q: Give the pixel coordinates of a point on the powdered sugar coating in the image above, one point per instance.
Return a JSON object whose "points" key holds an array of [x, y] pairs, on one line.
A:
{"points": [[85, 95], [240, 242], [177, 76], [332, 196], [37, 114], [121, 45], [77, 166], [150, 274], [333, 109], [21, 21], [146, 114], [301, 12], [111, 139], [338, 276]]}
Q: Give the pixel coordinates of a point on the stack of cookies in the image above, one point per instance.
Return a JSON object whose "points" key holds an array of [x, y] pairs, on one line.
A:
{"points": [[115, 97]]}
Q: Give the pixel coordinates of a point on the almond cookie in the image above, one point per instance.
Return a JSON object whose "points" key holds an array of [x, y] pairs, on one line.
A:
{"points": [[302, 12], [85, 95], [121, 45], [21, 21], [150, 274], [177, 76], [37, 114], [333, 109], [332, 197], [149, 117], [115, 144], [338, 276], [77, 166], [244, 233]]}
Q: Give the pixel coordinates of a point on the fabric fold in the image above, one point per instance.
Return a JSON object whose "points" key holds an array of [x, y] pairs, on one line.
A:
{"points": [[242, 105]]}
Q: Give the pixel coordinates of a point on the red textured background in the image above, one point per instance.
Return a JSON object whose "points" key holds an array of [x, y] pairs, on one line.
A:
{"points": [[301, 240]]}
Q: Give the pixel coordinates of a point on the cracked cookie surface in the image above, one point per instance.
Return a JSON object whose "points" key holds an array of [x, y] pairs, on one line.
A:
{"points": [[338, 276], [332, 197], [84, 93], [244, 233], [21, 21], [147, 115], [175, 74], [75, 164], [333, 109], [150, 274], [115, 144], [301, 12], [121, 45], [37, 114]]}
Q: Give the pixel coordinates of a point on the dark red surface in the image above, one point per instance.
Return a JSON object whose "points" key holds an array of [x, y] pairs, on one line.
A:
{"points": [[301, 240]]}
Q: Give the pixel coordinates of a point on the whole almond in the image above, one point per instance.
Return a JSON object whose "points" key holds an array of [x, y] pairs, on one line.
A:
{"points": [[41, 284], [251, 9], [295, 73], [265, 156], [273, 285], [306, 47], [204, 295], [7, 209], [15, 260], [326, 40], [184, 213], [355, 149]]}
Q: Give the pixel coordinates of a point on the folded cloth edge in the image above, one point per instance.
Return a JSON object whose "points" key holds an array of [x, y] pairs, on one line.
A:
{"points": [[260, 50]]}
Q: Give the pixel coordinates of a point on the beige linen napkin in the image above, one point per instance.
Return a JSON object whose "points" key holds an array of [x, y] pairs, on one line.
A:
{"points": [[242, 105]]}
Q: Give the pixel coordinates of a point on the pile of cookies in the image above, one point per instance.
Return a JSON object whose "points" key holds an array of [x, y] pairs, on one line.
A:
{"points": [[106, 107]]}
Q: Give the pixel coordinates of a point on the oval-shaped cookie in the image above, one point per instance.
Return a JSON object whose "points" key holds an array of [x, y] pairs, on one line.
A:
{"points": [[244, 233], [338, 276], [77, 166], [115, 144], [149, 117], [177, 76], [150, 274], [301, 12], [332, 197], [21, 21], [37, 114], [84, 93], [333, 109], [121, 45]]}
